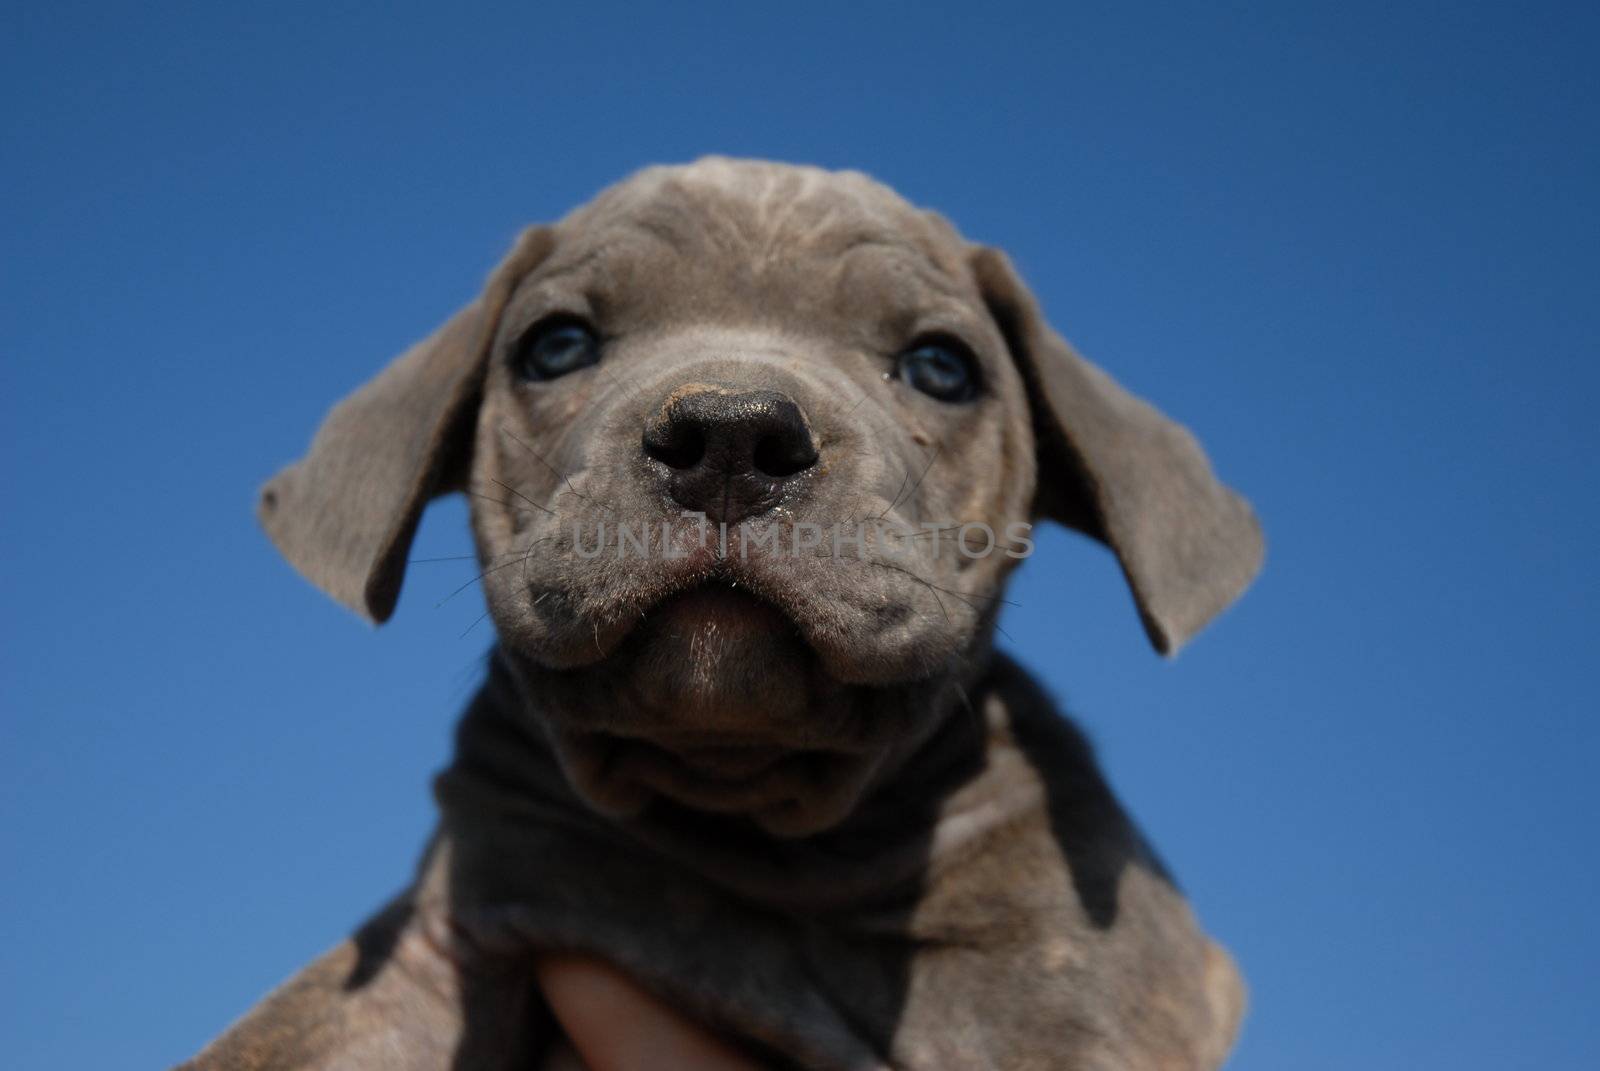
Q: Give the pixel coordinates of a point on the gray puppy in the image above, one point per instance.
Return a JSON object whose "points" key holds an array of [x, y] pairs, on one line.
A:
{"points": [[782, 780]]}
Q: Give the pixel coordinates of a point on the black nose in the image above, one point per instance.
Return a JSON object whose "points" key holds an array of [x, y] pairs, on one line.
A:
{"points": [[729, 454]]}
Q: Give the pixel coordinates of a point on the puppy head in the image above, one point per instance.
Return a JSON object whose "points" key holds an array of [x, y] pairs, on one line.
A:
{"points": [[751, 450]]}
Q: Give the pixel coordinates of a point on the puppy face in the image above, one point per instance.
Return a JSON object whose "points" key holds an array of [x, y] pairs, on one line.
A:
{"points": [[801, 359], [722, 428]]}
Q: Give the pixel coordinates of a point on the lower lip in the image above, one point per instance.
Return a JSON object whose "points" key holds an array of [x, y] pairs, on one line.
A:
{"points": [[722, 607]]}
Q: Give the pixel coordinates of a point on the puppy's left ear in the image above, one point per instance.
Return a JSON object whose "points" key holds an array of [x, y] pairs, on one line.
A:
{"points": [[1114, 467], [344, 515]]}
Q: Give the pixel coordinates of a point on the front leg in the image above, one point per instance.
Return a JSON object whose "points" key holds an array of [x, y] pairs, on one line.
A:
{"points": [[389, 999]]}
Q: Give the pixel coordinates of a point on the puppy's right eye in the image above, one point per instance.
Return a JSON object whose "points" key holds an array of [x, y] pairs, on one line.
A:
{"points": [[554, 347]]}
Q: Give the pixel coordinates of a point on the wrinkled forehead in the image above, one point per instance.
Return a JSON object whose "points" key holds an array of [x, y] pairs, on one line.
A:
{"points": [[735, 242]]}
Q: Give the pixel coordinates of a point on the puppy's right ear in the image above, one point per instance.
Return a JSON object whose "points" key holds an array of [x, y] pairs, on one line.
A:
{"points": [[344, 515]]}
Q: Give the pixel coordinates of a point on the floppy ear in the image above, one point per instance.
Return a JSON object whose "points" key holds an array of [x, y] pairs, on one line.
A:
{"points": [[1112, 466], [344, 515]]}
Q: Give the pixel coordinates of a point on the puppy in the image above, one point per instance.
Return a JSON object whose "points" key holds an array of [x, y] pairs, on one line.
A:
{"points": [[775, 772]]}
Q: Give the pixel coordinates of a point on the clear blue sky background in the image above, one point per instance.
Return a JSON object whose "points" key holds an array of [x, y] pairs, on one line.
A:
{"points": [[1354, 246]]}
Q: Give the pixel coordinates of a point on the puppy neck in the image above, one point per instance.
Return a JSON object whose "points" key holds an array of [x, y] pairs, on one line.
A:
{"points": [[506, 766]]}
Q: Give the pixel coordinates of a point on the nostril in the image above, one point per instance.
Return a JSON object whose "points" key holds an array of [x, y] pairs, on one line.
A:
{"points": [[781, 456], [681, 447]]}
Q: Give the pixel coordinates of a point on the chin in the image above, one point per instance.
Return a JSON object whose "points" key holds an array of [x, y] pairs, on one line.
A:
{"points": [[715, 703], [719, 659]]}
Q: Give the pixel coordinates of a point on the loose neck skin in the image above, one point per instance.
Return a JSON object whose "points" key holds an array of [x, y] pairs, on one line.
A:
{"points": [[506, 762]]}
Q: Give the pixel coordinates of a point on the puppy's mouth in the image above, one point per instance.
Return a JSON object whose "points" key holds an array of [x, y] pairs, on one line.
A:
{"points": [[719, 608], [715, 702], [860, 619], [719, 666]]}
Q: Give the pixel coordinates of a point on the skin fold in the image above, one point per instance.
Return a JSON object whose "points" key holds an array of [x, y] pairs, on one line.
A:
{"points": [[793, 793]]}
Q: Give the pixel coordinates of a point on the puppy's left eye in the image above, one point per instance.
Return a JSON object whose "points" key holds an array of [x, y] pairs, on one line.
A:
{"points": [[940, 368], [555, 347]]}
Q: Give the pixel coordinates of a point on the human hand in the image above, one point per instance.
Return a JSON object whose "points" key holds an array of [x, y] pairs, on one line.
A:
{"points": [[612, 1024]]}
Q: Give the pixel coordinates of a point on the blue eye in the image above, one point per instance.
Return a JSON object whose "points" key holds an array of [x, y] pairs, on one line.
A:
{"points": [[942, 369], [555, 347]]}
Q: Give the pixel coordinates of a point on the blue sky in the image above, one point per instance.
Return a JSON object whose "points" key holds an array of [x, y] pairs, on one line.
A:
{"points": [[1353, 246]]}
